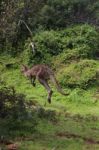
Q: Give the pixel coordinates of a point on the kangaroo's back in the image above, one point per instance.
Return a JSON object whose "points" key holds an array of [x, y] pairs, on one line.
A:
{"points": [[43, 70]]}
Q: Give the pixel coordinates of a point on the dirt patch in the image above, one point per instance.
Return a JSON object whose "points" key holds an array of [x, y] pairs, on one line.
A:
{"points": [[75, 136]]}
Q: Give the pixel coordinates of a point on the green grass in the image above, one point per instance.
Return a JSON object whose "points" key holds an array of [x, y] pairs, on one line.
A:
{"points": [[77, 116], [64, 135], [79, 101]]}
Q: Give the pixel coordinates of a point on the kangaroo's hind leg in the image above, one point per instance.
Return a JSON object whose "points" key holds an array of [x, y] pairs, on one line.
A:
{"points": [[45, 84]]}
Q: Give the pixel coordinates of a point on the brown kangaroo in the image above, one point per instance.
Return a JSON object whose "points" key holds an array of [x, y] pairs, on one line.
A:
{"points": [[42, 73]]}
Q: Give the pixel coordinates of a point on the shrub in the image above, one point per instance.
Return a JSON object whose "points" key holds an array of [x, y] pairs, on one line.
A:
{"points": [[11, 104], [69, 56], [84, 38], [81, 74], [15, 116], [75, 42], [47, 44]]}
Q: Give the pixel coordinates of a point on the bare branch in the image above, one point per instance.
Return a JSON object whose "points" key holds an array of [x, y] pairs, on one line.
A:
{"points": [[31, 43], [21, 21]]}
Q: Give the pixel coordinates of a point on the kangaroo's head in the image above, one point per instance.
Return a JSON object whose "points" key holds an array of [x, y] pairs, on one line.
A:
{"points": [[24, 69]]}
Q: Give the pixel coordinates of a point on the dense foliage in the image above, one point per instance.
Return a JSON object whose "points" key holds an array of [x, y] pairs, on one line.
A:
{"points": [[15, 113], [66, 45], [41, 14], [82, 74]]}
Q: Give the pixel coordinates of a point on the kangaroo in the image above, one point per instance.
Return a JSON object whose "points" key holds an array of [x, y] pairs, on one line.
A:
{"points": [[42, 73]]}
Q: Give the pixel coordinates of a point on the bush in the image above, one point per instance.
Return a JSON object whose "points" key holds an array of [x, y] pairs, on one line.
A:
{"points": [[11, 104], [81, 74], [69, 56], [47, 44], [75, 42], [82, 38], [16, 119]]}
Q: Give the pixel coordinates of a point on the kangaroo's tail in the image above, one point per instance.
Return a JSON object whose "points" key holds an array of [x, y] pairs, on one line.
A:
{"points": [[59, 89]]}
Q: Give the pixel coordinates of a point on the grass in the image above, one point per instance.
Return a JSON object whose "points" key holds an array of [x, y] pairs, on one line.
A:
{"points": [[79, 101], [66, 134], [77, 125]]}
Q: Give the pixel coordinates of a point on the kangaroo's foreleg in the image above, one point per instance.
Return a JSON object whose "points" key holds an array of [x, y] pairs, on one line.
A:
{"points": [[32, 79], [45, 84]]}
